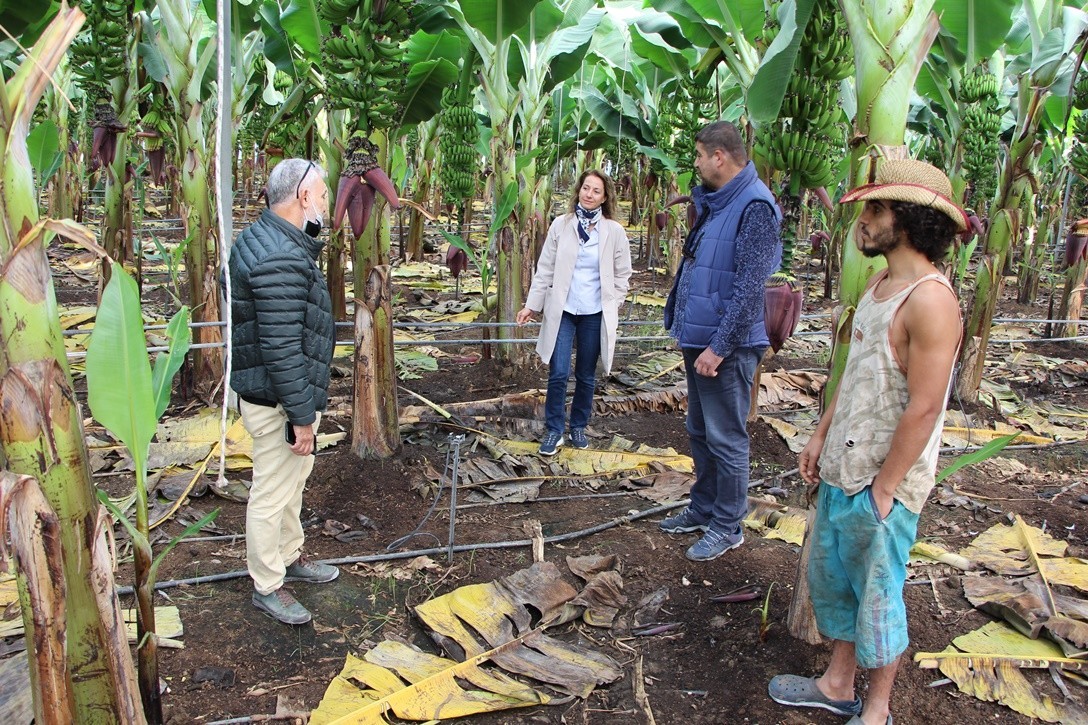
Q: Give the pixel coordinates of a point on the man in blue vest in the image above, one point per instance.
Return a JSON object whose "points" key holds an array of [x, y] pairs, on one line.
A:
{"points": [[715, 312]]}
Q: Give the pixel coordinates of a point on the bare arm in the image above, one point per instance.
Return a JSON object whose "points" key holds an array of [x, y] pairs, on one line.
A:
{"points": [[930, 320], [809, 460]]}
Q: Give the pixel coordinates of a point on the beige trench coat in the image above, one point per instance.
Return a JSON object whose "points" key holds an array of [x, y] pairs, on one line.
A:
{"points": [[555, 268]]}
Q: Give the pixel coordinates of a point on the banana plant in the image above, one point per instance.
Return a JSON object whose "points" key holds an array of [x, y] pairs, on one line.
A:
{"points": [[891, 41], [525, 48], [1043, 40], [552, 48], [424, 153], [963, 82], [361, 46], [178, 52], [104, 61], [118, 350], [67, 184], [41, 430]]}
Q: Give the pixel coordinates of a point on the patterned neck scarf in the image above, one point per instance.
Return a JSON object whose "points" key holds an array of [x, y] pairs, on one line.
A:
{"points": [[586, 219]]}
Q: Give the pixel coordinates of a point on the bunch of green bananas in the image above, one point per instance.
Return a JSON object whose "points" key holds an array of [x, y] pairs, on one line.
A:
{"points": [[98, 54], [1080, 92], [811, 154], [979, 136], [289, 135], [826, 49], [978, 85], [337, 12], [362, 58], [981, 118], [460, 160], [770, 28], [1078, 157], [155, 121], [807, 140], [700, 93]]}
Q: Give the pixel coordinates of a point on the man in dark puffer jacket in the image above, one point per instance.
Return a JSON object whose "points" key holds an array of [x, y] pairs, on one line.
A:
{"points": [[282, 338]]}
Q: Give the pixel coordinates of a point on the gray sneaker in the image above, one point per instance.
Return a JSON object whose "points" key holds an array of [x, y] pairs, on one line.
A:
{"points": [[551, 443], [684, 522], [713, 544], [578, 438], [280, 605], [304, 570]]}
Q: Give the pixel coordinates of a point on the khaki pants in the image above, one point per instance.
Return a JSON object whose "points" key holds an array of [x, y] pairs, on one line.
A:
{"points": [[273, 528]]}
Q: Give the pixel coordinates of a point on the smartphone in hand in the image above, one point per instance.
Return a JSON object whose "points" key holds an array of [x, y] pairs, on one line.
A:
{"points": [[289, 436]]}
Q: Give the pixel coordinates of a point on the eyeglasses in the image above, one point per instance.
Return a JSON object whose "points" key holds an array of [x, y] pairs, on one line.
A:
{"points": [[298, 189]]}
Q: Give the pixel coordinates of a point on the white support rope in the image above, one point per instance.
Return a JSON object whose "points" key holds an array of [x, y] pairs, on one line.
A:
{"points": [[224, 203]]}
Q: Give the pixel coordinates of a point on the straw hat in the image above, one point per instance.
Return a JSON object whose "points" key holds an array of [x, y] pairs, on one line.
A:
{"points": [[914, 182]]}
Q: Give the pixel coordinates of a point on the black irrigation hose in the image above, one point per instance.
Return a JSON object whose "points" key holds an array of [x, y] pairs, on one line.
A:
{"points": [[371, 558]]}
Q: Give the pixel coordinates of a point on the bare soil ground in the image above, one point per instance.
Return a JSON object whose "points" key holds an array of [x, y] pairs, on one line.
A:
{"points": [[713, 669]]}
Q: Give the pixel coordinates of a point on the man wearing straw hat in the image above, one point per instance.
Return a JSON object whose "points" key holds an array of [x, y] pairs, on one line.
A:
{"points": [[874, 452]]}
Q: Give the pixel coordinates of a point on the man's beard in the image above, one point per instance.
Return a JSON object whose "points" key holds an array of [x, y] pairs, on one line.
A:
{"points": [[880, 243]]}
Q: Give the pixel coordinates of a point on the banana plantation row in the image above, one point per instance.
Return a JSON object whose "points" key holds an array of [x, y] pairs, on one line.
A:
{"points": [[431, 104]]}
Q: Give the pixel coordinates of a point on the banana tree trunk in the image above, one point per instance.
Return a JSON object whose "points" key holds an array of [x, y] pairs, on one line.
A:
{"points": [[1072, 302], [116, 236], [336, 252], [508, 268], [413, 247], [1015, 193], [67, 182], [891, 40], [202, 245], [41, 425], [421, 194], [375, 432]]}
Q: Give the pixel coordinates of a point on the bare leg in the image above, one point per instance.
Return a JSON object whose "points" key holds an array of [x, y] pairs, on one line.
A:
{"points": [[838, 679], [877, 698]]}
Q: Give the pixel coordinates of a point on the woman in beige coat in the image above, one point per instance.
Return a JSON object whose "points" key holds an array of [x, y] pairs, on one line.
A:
{"points": [[580, 284]]}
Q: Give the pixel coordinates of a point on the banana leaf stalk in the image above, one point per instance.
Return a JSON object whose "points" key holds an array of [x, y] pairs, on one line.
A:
{"points": [[41, 433], [891, 40]]}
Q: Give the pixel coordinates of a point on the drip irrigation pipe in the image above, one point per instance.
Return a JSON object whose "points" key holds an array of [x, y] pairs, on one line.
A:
{"points": [[372, 558]]}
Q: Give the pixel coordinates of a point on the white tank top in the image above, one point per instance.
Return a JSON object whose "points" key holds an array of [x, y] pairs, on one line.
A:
{"points": [[872, 398]]}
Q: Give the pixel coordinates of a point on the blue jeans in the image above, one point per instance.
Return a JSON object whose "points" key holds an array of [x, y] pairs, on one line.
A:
{"points": [[583, 331], [718, 428]]}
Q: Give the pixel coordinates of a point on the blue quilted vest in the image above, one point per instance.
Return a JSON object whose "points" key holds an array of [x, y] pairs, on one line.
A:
{"points": [[714, 266]]}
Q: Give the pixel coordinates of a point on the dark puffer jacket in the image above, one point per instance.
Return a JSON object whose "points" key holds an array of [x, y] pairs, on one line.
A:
{"points": [[282, 330]]}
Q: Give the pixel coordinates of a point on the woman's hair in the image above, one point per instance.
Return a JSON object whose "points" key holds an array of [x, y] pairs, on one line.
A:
{"points": [[608, 207]]}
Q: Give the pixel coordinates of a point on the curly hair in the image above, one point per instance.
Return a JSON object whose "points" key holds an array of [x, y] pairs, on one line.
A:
{"points": [[928, 230], [608, 206]]}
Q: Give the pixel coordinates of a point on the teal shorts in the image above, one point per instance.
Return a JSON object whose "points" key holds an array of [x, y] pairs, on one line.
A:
{"points": [[856, 571]]}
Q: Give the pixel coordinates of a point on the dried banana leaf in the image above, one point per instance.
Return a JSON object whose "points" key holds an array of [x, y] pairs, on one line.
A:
{"points": [[500, 622], [985, 664]]}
